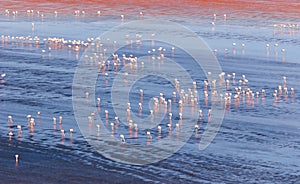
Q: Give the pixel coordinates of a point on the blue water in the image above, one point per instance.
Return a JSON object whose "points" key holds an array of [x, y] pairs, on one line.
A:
{"points": [[258, 141]]}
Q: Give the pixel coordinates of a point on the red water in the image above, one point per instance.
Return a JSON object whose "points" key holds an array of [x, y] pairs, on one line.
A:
{"points": [[238, 8]]}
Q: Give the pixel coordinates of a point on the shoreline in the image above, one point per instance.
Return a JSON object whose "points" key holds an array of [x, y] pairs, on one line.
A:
{"points": [[36, 165]]}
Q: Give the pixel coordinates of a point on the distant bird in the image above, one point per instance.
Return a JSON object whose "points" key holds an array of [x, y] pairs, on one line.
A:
{"points": [[159, 129], [10, 134], [149, 134], [17, 158], [122, 138], [196, 127], [62, 133], [3, 75]]}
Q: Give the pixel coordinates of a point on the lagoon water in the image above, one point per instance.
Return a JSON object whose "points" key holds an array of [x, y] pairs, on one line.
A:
{"points": [[258, 141]]}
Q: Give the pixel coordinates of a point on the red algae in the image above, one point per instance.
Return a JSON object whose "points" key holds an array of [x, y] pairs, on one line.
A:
{"points": [[240, 8]]}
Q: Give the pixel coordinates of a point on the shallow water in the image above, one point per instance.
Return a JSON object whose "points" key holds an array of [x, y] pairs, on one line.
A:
{"points": [[258, 139]]}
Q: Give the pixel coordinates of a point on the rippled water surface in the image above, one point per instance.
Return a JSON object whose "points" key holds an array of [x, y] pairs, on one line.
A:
{"points": [[258, 141]]}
